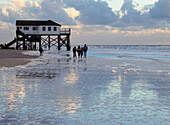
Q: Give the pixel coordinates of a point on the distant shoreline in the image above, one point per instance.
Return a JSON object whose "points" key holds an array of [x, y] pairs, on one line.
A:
{"points": [[11, 58]]}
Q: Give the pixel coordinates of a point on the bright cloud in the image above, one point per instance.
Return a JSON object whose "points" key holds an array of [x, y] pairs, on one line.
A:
{"points": [[72, 12], [20, 3], [35, 3], [4, 12]]}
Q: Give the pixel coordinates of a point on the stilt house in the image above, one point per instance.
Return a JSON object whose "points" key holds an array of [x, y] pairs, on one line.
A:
{"points": [[44, 33]]}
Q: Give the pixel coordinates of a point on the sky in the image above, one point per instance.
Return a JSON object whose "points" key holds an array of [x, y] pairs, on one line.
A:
{"points": [[95, 22]]}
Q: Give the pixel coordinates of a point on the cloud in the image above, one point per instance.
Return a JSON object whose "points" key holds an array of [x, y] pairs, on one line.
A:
{"points": [[143, 19], [51, 9], [127, 6], [130, 17], [95, 13], [72, 12], [9, 15], [20, 3], [92, 12], [35, 3], [161, 10]]}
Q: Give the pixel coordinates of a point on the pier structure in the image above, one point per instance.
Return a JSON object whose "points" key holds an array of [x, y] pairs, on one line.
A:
{"points": [[33, 34]]}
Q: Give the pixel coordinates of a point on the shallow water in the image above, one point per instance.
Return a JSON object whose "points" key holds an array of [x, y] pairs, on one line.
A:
{"points": [[102, 89]]}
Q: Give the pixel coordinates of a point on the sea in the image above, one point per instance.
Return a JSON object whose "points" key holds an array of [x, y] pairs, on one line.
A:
{"points": [[113, 85]]}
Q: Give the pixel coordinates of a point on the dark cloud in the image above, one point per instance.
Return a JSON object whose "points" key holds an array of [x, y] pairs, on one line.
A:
{"points": [[143, 19], [132, 17], [92, 12], [161, 10], [127, 6]]}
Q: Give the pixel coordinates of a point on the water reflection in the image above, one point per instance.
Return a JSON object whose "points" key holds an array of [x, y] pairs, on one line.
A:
{"points": [[71, 78], [114, 88], [74, 91], [138, 95], [142, 85], [69, 105], [14, 92]]}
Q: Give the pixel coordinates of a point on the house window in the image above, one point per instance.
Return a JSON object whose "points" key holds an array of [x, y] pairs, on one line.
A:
{"points": [[19, 28], [34, 28], [55, 28], [49, 28], [43, 28], [26, 28]]}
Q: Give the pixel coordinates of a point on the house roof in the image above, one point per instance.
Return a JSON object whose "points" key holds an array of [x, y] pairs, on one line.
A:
{"points": [[36, 22]]}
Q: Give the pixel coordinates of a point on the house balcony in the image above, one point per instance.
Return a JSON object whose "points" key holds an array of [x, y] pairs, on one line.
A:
{"points": [[65, 31]]}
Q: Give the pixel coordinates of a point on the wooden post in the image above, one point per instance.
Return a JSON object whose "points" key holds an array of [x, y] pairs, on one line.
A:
{"points": [[59, 46], [49, 42], [35, 45], [40, 44], [68, 43], [24, 46], [16, 40]]}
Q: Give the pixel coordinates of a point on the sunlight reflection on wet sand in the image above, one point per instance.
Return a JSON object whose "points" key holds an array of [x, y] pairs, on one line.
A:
{"points": [[61, 90]]}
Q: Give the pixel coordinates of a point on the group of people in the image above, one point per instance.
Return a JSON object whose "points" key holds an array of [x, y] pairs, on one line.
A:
{"points": [[80, 51]]}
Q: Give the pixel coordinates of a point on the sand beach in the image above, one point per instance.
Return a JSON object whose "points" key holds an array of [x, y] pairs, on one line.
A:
{"points": [[127, 85], [10, 58]]}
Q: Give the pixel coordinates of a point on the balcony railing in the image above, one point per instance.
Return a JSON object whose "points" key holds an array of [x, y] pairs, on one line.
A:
{"points": [[65, 31]]}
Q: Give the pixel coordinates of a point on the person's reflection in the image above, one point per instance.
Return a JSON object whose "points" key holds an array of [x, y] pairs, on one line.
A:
{"points": [[85, 65], [127, 79]]}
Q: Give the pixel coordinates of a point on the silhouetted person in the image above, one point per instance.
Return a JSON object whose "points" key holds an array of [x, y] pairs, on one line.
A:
{"points": [[85, 48], [79, 51], [41, 51], [74, 51]]}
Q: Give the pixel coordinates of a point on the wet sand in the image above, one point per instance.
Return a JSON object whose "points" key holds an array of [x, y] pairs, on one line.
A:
{"points": [[10, 58], [58, 89]]}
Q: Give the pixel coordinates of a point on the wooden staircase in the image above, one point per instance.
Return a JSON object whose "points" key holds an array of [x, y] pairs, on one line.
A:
{"points": [[7, 46]]}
